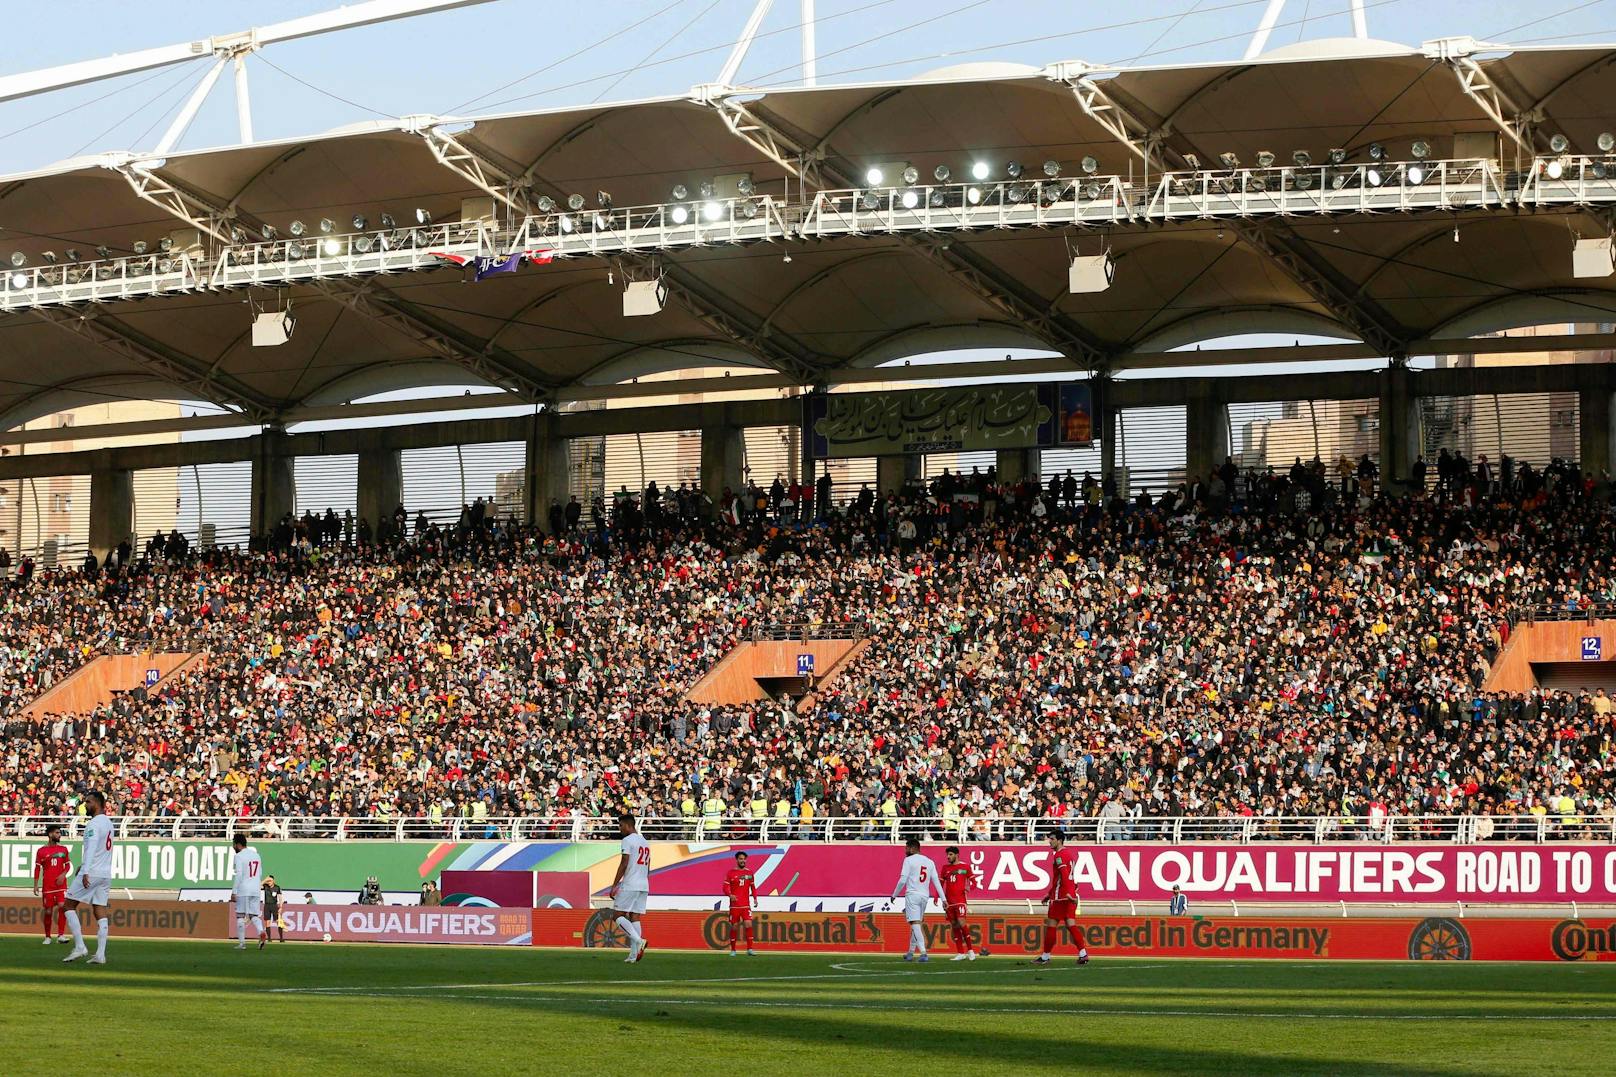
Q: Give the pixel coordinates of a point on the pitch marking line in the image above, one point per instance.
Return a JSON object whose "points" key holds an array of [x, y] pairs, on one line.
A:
{"points": [[944, 1007]]}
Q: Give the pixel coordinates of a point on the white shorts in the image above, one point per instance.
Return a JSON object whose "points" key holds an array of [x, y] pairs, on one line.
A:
{"points": [[249, 905], [97, 893], [631, 901], [914, 908]]}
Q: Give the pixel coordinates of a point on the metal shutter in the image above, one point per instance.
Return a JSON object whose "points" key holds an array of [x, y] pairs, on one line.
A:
{"points": [[47, 519], [438, 481], [960, 463], [772, 451], [1150, 448], [1274, 433], [1080, 462], [847, 475], [1532, 427], [210, 504], [326, 482]]}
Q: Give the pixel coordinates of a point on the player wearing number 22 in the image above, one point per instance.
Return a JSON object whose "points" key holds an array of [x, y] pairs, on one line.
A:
{"points": [[916, 884], [632, 887], [956, 893], [740, 886], [247, 890]]}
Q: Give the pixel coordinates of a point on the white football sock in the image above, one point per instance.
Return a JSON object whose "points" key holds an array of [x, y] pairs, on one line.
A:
{"points": [[241, 930], [631, 929], [73, 926], [101, 926], [917, 938], [258, 924]]}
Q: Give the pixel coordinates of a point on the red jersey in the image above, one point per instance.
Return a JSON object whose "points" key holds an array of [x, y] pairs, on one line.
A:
{"points": [[1064, 867], [956, 883], [52, 865], [740, 886]]}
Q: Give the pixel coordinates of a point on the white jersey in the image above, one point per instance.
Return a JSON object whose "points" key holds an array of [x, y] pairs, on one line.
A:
{"points": [[248, 873], [919, 878], [637, 876], [96, 859]]}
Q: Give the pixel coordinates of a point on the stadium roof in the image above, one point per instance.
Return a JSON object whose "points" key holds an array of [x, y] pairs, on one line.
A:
{"points": [[1392, 279]]}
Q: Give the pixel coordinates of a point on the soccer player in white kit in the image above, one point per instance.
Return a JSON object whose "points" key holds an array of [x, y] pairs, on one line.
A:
{"points": [[632, 886], [916, 883], [92, 883], [247, 889]]}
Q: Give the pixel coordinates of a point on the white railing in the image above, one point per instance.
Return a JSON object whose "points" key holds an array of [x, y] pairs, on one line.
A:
{"points": [[1461, 829], [1418, 186]]}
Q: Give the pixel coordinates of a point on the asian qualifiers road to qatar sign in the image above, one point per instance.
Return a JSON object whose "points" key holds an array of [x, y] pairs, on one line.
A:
{"points": [[1348, 872]]}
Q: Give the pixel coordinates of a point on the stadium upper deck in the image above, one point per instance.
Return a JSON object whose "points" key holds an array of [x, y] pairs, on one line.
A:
{"points": [[1350, 171]]}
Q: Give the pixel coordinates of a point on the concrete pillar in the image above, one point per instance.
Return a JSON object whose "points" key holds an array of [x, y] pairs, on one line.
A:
{"points": [[1206, 433], [1594, 448], [1016, 465], [112, 504], [381, 485], [723, 448], [893, 472], [274, 484], [1399, 428], [548, 477], [1108, 450]]}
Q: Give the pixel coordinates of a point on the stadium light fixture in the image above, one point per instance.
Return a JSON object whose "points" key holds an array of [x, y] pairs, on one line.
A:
{"points": [[564, 222], [1013, 169], [712, 211], [1265, 158], [1338, 156], [973, 195], [1421, 149], [745, 187], [19, 280], [706, 189], [139, 248], [575, 201], [165, 244], [1600, 172], [422, 217], [941, 173], [546, 204], [1229, 160], [1554, 169], [981, 170], [1015, 193], [1607, 142], [873, 177], [603, 199], [388, 222], [869, 201], [331, 246], [49, 257], [294, 250], [103, 252], [935, 199], [297, 229], [1373, 177], [910, 198], [679, 215], [72, 254], [749, 209], [1415, 174], [1089, 165], [364, 244], [327, 226], [911, 174], [1092, 191], [1377, 152], [599, 221], [1052, 168], [269, 234], [1302, 158], [1192, 162], [359, 222], [18, 258], [1559, 144]]}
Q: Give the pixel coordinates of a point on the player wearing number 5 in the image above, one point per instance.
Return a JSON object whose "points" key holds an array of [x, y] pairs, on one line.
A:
{"points": [[92, 883], [632, 886], [247, 891], [916, 883]]}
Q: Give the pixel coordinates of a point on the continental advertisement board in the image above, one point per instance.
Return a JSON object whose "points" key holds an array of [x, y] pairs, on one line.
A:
{"points": [[143, 919], [1430, 938], [818, 876]]}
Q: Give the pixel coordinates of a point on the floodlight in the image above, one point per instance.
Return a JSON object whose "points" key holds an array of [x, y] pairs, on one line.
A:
{"points": [[1373, 176], [1091, 191], [680, 192], [546, 204], [165, 266], [1013, 169], [679, 215], [1265, 158], [72, 254], [869, 201], [1338, 156], [935, 198], [941, 173], [712, 211], [1600, 171], [603, 199], [745, 187], [1192, 162], [1302, 158], [1554, 169], [600, 222], [1258, 184], [1559, 144], [327, 226], [1414, 174], [981, 170], [364, 244], [973, 195], [422, 216], [575, 201], [706, 189], [1015, 193], [165, 244], [238, 234], [19, 280], [1302, 181], [1089, 165], [1421, 149], [873, 177], [749, 209], [49, 256], [103, 252], [565, 222], [910, 198], [1052, 168], [911, 174], [18, 258], [139, 248], [294, 249], [332, 246], [298, 228], [1607, 142], [359, 222], [1229, 161], [269, 234], [388, 222], [1377, 152]]}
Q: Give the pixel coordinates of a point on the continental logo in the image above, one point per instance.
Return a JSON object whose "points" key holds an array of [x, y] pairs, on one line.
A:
{"points": [[796, 929], [1573, 940]]}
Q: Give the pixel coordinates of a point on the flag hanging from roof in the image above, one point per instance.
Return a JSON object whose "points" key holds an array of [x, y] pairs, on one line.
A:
{"points": [[487, 267]]}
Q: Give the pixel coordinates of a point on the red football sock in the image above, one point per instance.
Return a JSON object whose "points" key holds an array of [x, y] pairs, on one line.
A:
{"points": [[1049, 940], [750, 936]]}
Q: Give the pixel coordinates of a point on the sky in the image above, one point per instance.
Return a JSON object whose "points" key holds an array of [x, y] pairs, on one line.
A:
{"points": [[519, 55]]}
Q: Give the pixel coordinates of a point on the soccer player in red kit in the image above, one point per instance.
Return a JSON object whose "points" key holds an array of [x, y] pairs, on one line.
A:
{"points": [[52, 865], [740, 886], [956, 890], [1062, 899]]}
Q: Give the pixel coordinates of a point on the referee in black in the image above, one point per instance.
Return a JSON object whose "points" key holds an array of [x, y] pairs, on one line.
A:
{"points": [[272, 907]]}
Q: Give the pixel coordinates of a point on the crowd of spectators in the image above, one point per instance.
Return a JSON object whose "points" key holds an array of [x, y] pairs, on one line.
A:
{"points": [[1275, 644]]}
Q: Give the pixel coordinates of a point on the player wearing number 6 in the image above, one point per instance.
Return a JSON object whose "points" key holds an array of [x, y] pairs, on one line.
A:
{"points": [[247, 890], [632, 886], [92, 883], [916, 883]]}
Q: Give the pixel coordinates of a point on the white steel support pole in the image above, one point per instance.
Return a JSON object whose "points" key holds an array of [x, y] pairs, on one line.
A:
{"points": [[726, 77], [1259, 40], [1360, 23], [243, 100], [810, 58], [193, 105]]}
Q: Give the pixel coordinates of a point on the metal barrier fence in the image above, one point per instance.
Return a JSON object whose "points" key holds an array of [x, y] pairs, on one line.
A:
{"points": [[1458, 829]]}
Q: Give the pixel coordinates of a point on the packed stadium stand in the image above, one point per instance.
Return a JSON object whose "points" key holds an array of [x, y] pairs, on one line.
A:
{"points": [[1254, 645]]}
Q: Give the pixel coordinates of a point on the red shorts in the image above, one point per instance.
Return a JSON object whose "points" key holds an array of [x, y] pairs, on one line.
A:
{"points": [[52, 898], [954, 912], [1063, 909], [738, 915]]}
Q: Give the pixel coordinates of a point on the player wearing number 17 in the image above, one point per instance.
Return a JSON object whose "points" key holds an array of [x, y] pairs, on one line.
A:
{"points": [[632, 886], [247, 890]]}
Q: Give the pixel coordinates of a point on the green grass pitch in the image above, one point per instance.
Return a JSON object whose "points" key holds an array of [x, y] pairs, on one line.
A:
{"points": [[178, 1009]]}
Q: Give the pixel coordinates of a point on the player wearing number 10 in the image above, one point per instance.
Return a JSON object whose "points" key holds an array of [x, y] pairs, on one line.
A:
{"points": [[632, 886], [247, 891]]}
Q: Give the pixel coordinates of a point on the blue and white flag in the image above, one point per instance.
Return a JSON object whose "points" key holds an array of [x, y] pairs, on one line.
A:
{"points": [[487, 267]]}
